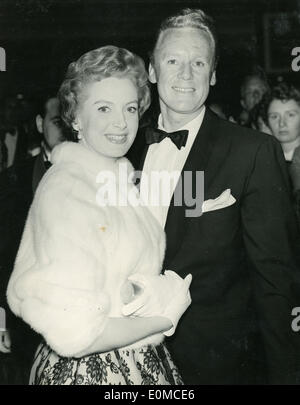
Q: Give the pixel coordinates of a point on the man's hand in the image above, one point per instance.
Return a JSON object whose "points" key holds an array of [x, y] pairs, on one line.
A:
{"points": [[5, 342]]}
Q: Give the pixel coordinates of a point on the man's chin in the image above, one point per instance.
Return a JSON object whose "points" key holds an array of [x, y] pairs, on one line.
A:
{"points": [[189, 110]]}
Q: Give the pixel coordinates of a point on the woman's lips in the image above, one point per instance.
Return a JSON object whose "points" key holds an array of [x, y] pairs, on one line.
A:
{"points": [[116, 139], [183, 89]]}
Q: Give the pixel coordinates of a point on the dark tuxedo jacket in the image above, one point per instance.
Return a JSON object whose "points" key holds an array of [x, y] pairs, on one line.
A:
{"points": [[243, 259], [15, 199], [39, 169]]}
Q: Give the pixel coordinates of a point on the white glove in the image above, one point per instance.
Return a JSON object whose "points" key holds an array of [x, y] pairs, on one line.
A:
{"points": [[164, 295], [178, 305]]}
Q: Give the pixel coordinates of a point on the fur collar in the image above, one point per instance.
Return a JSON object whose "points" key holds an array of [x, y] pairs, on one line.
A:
{"points": [[87, 159]]}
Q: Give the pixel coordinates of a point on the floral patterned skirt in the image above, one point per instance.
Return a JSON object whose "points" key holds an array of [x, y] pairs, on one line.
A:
{"points": [[148, 365]]}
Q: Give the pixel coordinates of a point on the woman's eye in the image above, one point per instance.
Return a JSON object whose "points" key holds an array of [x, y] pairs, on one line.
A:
{"points": [[103, 109], [132, 109], [273, 116], [172, 62]]}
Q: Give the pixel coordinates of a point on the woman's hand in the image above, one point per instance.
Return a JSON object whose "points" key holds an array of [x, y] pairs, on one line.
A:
{"points": [[164, 295], [5, 342]]}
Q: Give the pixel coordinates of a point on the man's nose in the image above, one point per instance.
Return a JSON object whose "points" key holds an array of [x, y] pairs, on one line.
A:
{"points": [[257, 95], [185, 72]]}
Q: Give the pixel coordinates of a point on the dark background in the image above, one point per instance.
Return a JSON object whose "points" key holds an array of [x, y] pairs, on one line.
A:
{"points": [[41, 37]]}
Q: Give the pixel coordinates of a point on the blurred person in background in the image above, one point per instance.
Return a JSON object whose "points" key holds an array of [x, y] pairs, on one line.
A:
{"points": [[258, 119], [18, 184], [53, 131], [253, 88], [283, 113], [18, 112], [282, 109]]}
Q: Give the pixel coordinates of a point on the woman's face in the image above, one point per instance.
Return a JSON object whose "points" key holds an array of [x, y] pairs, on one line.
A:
{"points": [[284, 120], [107, 117]]}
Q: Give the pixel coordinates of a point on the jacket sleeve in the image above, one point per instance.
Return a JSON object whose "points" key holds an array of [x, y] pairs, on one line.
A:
{"points": [[57, 282], [271, 238]]}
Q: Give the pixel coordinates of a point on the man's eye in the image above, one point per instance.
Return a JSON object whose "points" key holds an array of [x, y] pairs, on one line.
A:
{"points": [[199, 63], [58, 123], [132, 109], [172, 62], [292, 114], [103, 109]]}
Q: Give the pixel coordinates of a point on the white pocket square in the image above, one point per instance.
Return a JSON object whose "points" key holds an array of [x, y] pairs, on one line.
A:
{"points": [[224, 200]]}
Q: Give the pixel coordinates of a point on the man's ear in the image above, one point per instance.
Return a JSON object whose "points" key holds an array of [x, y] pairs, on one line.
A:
{"points": [[39, 123], [213, 79], [243, 104], [152, 74]]}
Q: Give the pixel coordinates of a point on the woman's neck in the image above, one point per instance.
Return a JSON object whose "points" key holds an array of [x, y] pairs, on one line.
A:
{"points": [[85, 144], [288, 147]]}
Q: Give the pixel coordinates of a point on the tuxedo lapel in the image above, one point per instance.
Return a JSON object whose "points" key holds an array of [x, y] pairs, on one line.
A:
{"points": [[197, 160], [39, 170]]}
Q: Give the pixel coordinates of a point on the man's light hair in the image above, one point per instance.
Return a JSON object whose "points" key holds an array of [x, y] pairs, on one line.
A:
{"points": [[190, 18]]}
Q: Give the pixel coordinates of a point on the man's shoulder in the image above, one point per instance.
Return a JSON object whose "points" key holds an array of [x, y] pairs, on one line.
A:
{"points": [[241, 137]]}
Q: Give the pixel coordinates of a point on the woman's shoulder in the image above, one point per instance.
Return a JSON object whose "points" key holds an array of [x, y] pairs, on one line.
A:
{"points": [[60, 178], [64, 186]]}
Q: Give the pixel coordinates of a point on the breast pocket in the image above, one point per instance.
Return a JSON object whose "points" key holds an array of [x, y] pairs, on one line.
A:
{"points": [[220, 224]]}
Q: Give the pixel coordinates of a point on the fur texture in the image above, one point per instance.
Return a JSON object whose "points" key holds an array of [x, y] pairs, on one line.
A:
{"points": [[75, 255]]}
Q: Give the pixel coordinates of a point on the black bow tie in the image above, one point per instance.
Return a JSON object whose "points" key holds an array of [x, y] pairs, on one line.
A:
{"points": [[179, 138], [47, 163]]}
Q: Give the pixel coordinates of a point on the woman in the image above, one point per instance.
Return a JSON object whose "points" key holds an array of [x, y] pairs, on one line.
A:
{"points": [[79, 252], [283, 115], [282, 111]]}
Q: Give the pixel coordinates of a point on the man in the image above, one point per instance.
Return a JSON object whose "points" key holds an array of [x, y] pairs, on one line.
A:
{"points": [[17, 185], [253, 88], [15, 134], [50, 125], [240, 252]]}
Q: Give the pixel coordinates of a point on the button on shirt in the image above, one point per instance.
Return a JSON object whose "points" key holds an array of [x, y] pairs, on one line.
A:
{"points": [[165, 157]]}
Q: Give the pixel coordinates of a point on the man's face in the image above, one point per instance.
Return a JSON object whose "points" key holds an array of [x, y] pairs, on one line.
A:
{"points": [[183, 70], [253, 92], [51, 125]]}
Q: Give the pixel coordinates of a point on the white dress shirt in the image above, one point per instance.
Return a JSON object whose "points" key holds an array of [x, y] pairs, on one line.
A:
{"points": [[166, 157]]}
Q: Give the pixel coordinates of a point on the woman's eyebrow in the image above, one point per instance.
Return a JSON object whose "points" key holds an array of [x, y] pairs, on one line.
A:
{"points": [[133, 101], [111, 102], [102, 101]]}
